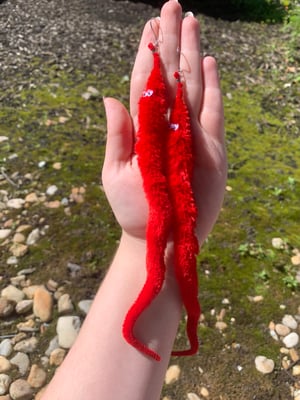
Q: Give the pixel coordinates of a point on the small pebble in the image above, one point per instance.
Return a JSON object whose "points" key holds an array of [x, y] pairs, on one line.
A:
{"points": [[12, 260], [31, 198], [56, 165], [204, 392], [172, 374], [291, 340], [5, 365], [17, 280], [20, 390], [65, 305], [67, 330], [30, 290], [193, 396], [27, 345], [220, 325], [51, 190], [7, 307], [5, 381], [85, 305], [15, 203], [264, 365], [289, 321], [52, 346], [24, 306], [18, 238], [57, 356], [278, 243], [18, 249], [282, 330], [294, 355], [53, 204], [295, 260], [4, 233], [12, 293], [42, 164], [37, 377], [296, 370], [33, 237], [22, 362], [42, 304], [6, 348]]}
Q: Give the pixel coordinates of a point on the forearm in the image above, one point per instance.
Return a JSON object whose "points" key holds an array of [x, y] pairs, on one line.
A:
{"points": [[101, 364]]}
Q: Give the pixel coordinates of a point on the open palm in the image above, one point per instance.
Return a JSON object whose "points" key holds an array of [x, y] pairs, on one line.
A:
{"points": [[121, 176]]}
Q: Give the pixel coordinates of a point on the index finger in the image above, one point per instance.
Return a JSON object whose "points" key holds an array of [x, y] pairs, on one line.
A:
{"points": [[142, 66]]}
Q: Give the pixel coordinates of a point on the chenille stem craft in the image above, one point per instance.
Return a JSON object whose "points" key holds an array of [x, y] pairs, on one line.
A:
{"points": [[179, 173], [165, 158], [151, 150]]}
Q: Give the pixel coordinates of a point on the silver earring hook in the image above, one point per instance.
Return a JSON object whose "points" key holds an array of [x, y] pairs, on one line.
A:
{"points": [[156, 37]]}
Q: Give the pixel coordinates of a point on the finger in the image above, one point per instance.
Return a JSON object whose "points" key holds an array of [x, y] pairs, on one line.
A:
{"points": [[142, 66], [119, 142], [190, 63], [212, 113], [169, 42]]}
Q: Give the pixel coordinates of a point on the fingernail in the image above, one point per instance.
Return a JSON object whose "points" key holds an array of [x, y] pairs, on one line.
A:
{"points": [[158, 18], [189, 14], [175, 0]]}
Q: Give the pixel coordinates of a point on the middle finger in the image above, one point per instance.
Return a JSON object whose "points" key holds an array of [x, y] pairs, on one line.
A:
{"points": [[169, 42]]}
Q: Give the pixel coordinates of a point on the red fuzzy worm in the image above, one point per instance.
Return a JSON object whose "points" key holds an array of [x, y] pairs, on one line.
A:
{"points": [[180, 170], [151, 151]]}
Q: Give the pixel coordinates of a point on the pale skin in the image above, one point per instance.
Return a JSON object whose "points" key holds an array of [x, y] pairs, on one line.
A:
{"points": [[101, 364]]}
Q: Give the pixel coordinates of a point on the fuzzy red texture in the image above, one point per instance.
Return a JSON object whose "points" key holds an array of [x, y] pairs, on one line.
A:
{"points": [[151, 151], [165, 157], [180, 173]]}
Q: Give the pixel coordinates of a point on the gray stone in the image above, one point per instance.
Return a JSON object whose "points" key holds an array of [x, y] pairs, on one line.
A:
{"points": [[12, 260], [7, 307], [33, 237], [5, 381], [289, 321], [6, 348], [22, 362], [51, 190], [12, 293], [4, 233], [24, 306], [52, 346], [85, 305], [291, 340], [15, 203], [20, 390], [27, 345], [67, 329]]}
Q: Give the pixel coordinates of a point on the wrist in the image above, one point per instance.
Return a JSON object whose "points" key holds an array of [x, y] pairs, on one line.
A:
{"points": [[137, 247]]}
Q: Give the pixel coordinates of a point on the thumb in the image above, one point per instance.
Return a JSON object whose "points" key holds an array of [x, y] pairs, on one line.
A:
{"points": [[119, 142]]}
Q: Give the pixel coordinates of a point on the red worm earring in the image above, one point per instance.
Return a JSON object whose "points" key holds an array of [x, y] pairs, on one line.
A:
{"points": [[180, 170], [151, 151]]}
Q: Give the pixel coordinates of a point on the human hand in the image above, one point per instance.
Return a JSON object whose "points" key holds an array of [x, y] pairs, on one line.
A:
{"points": [[121, 176]]}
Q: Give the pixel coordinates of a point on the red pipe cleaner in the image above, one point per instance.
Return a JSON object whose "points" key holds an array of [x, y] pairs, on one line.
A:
{"points": [[180, 170], [151, 151]]}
